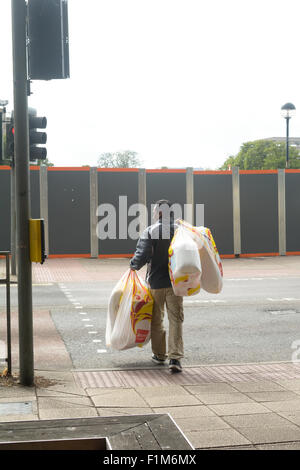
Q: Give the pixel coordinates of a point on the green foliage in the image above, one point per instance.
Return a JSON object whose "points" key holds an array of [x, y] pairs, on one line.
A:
{"points": [[45, 162], [263, 155], [122, 159]]}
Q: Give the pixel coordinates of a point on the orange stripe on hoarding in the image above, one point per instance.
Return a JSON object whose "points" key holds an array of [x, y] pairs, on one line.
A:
{"points": [[7, 167], [117, 255], [117, 169], [292, 171], [68, 168], [88, 255], [293, 253], [166, 170], [257, 255], [258, 172], [219, 172]]}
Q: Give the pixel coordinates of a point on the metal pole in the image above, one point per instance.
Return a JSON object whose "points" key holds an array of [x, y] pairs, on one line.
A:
{"points": [[281, 212], [287, 163], [189, 216], [19, 10], [13, 219], [8, 328], [236, 211]]}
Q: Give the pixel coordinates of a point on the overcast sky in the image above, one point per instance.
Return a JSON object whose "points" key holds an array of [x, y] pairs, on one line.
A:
{"points": [[181, 82]]}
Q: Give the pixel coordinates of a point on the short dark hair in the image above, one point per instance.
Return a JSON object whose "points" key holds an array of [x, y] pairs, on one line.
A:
{"points": [[162, 202]]}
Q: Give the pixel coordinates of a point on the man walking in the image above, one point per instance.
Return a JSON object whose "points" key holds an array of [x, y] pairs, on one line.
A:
{"points": [[152, 248]]}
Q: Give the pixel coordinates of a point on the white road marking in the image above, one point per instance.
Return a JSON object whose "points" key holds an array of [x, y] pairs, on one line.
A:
{"points": [[33, 285], [281, 312], [97, 340], [101, 351], [203, 301], [252, 279], [283, 299], [93, 332]]}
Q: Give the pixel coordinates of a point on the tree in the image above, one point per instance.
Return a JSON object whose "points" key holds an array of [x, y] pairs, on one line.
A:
{"points": [[44, 162], [263, 155], [121, 159]]}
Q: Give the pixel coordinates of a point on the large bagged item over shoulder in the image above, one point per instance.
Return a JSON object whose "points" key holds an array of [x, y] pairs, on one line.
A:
{"points": [[129, 313], [184, 263], [212, 269]]}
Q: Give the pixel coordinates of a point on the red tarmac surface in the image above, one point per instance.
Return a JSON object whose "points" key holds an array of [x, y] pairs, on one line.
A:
{"points": [[87, 269]]}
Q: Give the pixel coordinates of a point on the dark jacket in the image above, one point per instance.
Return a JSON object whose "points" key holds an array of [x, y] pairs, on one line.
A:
{"points": [[152, 248]]}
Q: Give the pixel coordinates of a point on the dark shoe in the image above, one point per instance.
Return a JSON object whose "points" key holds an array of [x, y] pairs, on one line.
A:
{"points": [[175, 366], [156, 360]]}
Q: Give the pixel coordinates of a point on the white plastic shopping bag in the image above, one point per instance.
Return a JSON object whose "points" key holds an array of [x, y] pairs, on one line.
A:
{"points": [[184, 263], [129, 313], [212, 270]]}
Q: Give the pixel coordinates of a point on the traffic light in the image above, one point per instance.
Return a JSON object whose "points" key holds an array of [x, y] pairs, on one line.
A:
{"points": [[48, 39], [35, 137]]}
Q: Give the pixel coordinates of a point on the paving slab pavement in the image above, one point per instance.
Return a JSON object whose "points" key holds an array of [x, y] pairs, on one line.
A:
{"points": [[212, 415], [228, 406]]}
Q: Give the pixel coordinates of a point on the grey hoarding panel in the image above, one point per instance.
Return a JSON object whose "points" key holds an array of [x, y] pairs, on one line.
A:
{"points": [[111, 186], [35, 193], [69, 212], [259, 213], [292, 199], [171, 186], [4, 210], [5, 177], [215, 192]]}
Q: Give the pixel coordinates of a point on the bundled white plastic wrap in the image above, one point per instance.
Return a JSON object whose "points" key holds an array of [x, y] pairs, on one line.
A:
{"points": [[184, 263], [194, 261], [212, 269], [129, 313]]}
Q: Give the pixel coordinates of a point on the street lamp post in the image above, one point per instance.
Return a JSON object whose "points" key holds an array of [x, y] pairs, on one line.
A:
{"points": [[287, 111]]}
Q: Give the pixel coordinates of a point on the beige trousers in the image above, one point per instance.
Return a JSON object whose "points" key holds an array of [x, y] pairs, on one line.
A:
{"points": [[174, 306]]}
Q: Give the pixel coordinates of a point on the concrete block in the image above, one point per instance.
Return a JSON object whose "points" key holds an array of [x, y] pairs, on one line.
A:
{"points": [[261, 435], [219, 387], [54, 413], [216, 438], [261, 386], [171, 395], [289, 405], [222, 398], [186, 411], [201, 423], [121, 398], [238, 409], [273, 396], [263, 420]]}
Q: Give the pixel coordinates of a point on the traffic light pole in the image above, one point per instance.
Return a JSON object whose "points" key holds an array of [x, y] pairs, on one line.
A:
{"points": [[22, 191]]}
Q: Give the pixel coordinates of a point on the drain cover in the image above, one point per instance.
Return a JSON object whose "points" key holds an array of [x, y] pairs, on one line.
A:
{"points": [[16, 408]]}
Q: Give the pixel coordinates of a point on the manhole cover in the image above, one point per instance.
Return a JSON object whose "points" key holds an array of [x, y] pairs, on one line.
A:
{"points": [[16, 408]]}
